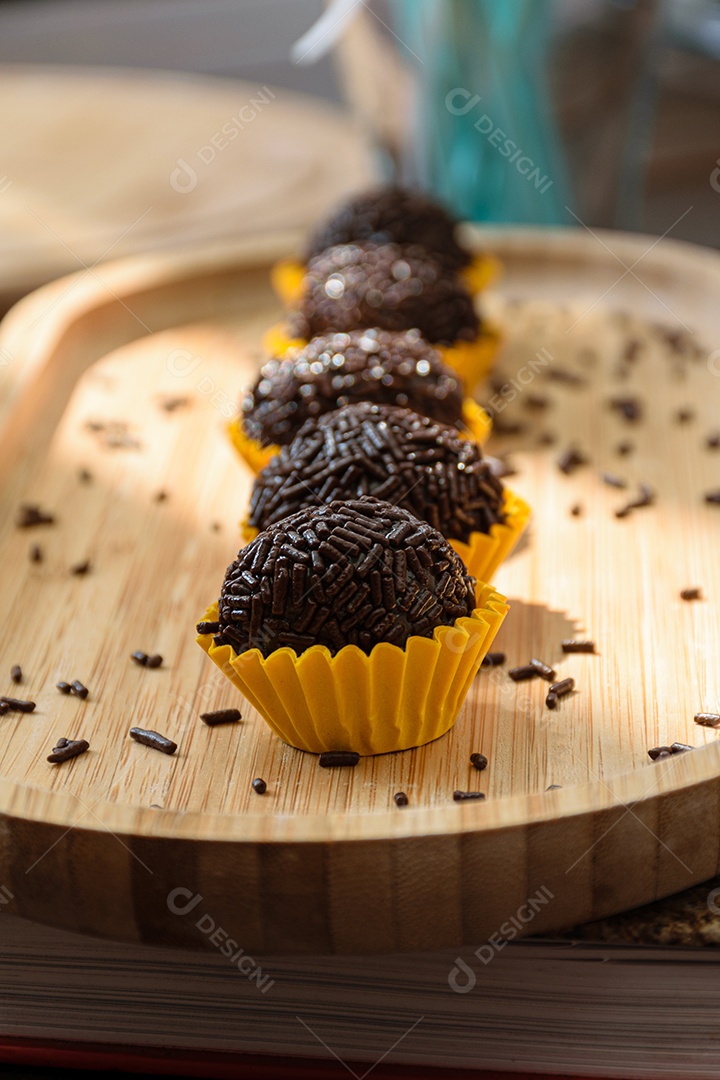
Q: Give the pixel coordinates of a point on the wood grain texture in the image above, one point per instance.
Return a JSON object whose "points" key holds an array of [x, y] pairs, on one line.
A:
{"points": [[324, 862], [148, 161]]}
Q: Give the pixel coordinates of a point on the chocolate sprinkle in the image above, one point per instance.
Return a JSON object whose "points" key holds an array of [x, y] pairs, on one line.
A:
{"points": [[70, 748], [526, 671], [208, 627], [388, 452], [78, 689], [221, 716], [564, 375], [543, 669], [628, 407], [154, 661], [334, 370], [334, 759], [551, 700], [536, 401], [16, 673], [17, 705], [625, 448], [493, 659], [31, 515], [81, 568], [464, 796], [351, 286], [645, 498], [572, 646], [153, 739], [707, 719], [357, 572], [571, 460], [36, 554], [400, 798], [713, 441], [691, 594], [259, 786], [139, 657], [64, 687], [565, 686], [507, 427], [678, 341], [393, 215], [613, 481], [713, 498], [547, 438], [4, 708], [657, 753], [170, 404], [478, 761]]}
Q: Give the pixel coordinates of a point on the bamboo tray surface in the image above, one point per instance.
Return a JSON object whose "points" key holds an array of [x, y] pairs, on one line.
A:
{"points": [[324, 862]]}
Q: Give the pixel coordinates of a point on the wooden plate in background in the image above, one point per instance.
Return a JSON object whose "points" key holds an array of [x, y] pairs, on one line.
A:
{"points": [[156, 160]]}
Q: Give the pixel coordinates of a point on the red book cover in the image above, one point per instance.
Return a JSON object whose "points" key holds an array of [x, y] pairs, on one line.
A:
{"points": [[224, 1066]]}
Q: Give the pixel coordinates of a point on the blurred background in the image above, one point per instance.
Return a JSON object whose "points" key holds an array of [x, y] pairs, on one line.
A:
{"points": [[136, 125]]}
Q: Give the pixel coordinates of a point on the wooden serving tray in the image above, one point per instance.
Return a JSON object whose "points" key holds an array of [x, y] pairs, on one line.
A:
{"points": [[325, 862]]}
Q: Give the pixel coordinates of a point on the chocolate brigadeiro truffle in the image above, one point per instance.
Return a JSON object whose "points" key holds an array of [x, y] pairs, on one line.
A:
{"points": [[393, 215], [336, 369], [352, 286], [351, 573], [390, 453]]}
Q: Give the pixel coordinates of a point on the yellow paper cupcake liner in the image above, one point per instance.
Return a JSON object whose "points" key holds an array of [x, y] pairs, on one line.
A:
{"points": [[250, 450], [392, 699], [483, 553], [471, 360], [481, 273], [276, 341], [287, 277], [475, 425]]}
